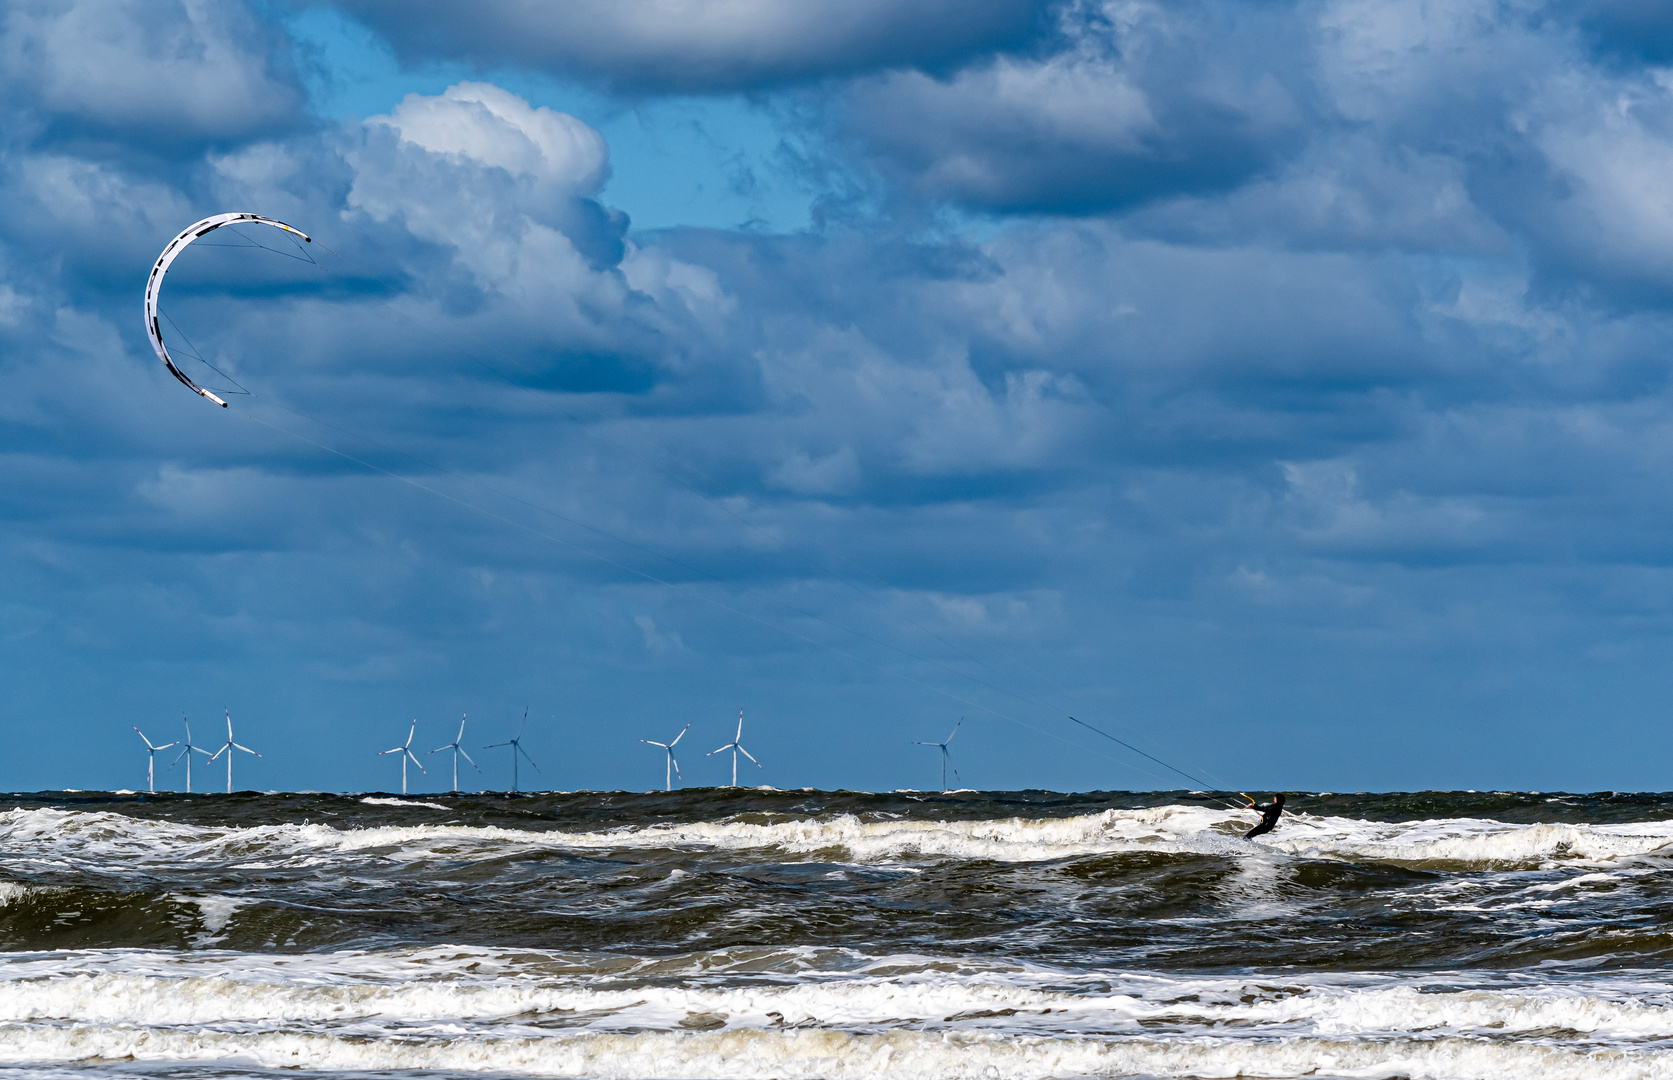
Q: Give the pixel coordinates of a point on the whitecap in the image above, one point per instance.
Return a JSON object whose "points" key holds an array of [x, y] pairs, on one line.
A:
{"points": [[372, 800]]}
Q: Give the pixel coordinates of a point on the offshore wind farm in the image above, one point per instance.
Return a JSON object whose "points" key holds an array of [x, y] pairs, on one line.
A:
{"points": [[405, 755]]}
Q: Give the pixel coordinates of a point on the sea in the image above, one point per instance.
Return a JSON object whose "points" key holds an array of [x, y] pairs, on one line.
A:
{"points": [[728, 932]]}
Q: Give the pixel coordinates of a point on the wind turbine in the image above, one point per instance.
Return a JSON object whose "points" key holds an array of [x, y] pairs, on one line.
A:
{"points": [[673, 768], [151, 761], [946, 758], [405, 750], [227, 748], [736, 746], [516, 748], [457, 750], [187, 754]]}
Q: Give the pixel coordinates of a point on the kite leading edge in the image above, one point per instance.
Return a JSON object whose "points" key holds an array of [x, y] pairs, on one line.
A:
{"points": [[154, 284]]}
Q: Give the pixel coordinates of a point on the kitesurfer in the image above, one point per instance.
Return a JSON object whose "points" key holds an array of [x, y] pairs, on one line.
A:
{"points": [[1269, 813]]}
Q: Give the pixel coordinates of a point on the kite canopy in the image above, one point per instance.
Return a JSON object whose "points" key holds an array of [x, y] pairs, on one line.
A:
{"points": [[154, 285]]}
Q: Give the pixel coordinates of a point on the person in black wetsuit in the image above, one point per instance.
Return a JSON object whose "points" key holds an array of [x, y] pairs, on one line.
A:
{"points": [[1269, 817]]}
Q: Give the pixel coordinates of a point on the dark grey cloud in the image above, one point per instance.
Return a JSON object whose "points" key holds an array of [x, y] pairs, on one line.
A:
{"points": [[1132, 103], [697, 47]]}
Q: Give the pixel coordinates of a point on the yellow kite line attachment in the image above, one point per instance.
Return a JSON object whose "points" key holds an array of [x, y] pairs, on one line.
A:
{"points": [[154, 285]]}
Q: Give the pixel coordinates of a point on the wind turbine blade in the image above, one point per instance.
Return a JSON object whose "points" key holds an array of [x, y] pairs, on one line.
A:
{"points": [[217, 753], [166, 745], [751, 757], [415, 761], [681, 735], [955, 730], [474, 765], [661, 744], [183, 753], [495, 745], [439, 749], [740, 735], [391, 750], [926, 744], [201, 750], [676, 763], [461, 734], [143, 739], [246, 749], [723, 749], [526, 757]]}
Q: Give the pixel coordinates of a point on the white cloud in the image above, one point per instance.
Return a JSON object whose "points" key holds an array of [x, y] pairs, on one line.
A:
{"points": [[480, 170], [175, 72], [494, 127]]}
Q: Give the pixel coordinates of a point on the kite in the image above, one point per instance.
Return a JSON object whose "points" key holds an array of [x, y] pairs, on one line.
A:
{"points": [[154, 285]]}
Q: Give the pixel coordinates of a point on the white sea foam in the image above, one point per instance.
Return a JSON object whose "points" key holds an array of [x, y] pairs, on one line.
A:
{"points": [[788, 1013], [214, 913], [373, 800], [837, 1055], [103, 838], [11, 892], [475, 988], [1470, 842]]}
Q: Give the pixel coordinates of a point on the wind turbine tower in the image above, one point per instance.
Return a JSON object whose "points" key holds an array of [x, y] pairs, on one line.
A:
{"points": [[187, 754], [673, 768], [405, 750], [457, 750], [736, 746], [946, 758], [516, 748], [151, 760], [227, 748]]}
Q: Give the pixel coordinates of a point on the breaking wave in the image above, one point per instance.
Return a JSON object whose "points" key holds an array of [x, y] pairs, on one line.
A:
{"points": [[900, 1016], [1459, 843]]}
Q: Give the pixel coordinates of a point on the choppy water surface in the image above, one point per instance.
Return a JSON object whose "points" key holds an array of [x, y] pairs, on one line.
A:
{"points": [[744, 933]]}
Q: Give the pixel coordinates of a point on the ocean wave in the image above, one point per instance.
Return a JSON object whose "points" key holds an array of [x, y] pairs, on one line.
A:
{"points": [[917, 993], [1476, 843], [107, 838]]}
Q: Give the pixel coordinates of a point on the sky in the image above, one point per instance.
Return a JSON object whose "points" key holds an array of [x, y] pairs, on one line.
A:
{"points": [[1282, 388]]}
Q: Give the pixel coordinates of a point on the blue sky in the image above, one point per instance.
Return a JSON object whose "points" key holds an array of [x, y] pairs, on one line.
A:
{"points": [[1282, 386]]}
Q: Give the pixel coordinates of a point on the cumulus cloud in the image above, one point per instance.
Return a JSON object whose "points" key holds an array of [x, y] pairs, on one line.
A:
{"points": [[493, 127], [701, 46], [154, 74], [462, 160]]}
